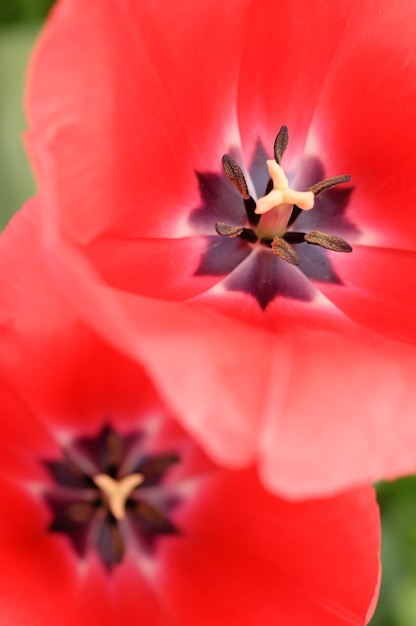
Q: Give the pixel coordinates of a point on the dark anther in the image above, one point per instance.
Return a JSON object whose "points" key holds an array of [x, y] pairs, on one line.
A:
{"points": [[236, 231], [328, 183], [285, 251], [228, 231], [114, 544], [114, 445], [235, 175], [280, 143], [156, 466], [330, 242], [80, 512]]}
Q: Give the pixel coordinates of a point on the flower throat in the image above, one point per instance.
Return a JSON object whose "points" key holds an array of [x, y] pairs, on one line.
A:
{"points": [[108, 492], [278, 209], [253, 246]]}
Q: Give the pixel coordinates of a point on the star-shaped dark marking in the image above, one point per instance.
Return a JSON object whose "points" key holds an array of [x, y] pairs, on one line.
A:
{"points": [[260, 273], [80, 510]]}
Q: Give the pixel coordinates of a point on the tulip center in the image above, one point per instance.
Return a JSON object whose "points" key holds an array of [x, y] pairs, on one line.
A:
{"points": [[299, 227], [270, 217], [108, 493]]}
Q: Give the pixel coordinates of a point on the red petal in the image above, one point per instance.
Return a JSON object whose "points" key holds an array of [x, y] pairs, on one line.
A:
{"points": [[362, 123], [346, 415], [77, 379], [136, 599], [287, 570], [141, 104], [378, 290], [45, 585], [288, 50], [41, 579], [160, 268], [220, 353], [232, 573], [21, 431], [190, 354]]}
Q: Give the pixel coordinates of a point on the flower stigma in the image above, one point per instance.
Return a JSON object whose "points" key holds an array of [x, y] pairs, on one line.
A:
{"points": [[281, 193], [118, 491]]}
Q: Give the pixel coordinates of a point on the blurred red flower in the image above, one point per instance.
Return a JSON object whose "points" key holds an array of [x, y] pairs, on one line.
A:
{"points": [[111, 513], [137, 103]]}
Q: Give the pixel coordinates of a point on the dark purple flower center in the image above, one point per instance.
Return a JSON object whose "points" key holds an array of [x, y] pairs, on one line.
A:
{"points": [[282, 263], [84, 512]]}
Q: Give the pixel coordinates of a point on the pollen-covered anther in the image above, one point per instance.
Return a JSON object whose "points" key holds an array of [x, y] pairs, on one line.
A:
{"points": [[280, 144], [329, 183], [330, 242], [117, 492], [282, 193], [236, 231], [235, 175], [228, 231], [80, 511], [285, 251]]}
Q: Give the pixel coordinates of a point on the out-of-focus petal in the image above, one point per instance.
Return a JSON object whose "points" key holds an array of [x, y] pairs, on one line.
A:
{"points": [[191, 354], [346, 415], [243, 400], [45, 584], [225, 522], [220, 568]]}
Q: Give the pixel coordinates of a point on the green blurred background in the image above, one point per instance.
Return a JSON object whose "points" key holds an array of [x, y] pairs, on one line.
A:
{"points": [[20, 21]]}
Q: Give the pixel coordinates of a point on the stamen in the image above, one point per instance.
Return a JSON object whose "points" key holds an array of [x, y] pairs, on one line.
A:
{"points": [[118, 491], [282, 194], [235, 175], [114, 445], [328, 183], [156, 466], [330, 242], [80, 511], [271, 218], [285, 251], [228, 231], [280, 143], [236, 231]]}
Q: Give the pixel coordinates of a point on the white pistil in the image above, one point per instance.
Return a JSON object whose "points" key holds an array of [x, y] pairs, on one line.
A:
{"points": [[282, 194], [117, 492]]}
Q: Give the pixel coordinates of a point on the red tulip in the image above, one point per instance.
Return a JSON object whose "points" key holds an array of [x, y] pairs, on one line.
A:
{"points": [[112, 514], [138, 102]]}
